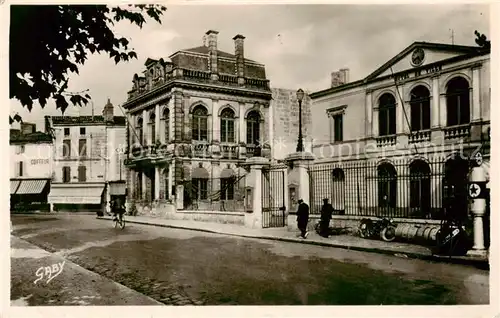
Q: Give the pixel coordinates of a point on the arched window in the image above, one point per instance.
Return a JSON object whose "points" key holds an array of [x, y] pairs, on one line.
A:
{"points": [[253, 128], [420, 103], [338, 189], [139, 129], [455, 196], [227, 125], [457, 102], [152, 124], [387, 115], [200, 124], [166, 124], [387, 183], [420, 188]]}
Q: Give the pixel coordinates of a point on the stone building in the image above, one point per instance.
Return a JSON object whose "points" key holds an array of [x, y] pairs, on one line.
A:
{"points": [[285, 119], [88, 159], [398, 142], [194, 118]]}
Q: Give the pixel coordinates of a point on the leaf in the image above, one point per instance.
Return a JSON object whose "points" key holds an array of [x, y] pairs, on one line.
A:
{"points": [[61, 102]]}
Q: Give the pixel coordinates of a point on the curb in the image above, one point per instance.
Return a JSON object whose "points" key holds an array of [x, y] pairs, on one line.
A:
{"points": [[484, 264]]}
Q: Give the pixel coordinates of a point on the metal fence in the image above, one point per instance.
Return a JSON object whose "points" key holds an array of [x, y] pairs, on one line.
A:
{"points": [[403, 188]]}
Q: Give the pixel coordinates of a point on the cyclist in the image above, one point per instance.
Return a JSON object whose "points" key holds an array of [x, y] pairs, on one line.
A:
{"points": [[118, 208]]}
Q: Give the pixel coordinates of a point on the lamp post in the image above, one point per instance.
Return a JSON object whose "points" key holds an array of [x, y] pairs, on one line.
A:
{"points": [[300, 96]]}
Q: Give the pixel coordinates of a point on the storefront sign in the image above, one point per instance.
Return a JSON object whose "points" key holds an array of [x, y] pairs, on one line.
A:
{"points": [[39, 161], [423, 71]]}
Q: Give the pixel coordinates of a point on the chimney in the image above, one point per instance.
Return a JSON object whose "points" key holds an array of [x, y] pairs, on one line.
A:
{"points": [[108, 112], [205, 41], [212, 52], [240, 56], [340, 77]]}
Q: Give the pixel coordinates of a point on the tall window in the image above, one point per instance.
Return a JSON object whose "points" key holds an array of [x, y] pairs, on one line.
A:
{"points": [[200, 124], [227, 188], [387, 183], [66, 131], [420, 103], [200, 189], [253, 128], [139, 130], [66, 171], [166, 120], [20, 168], [387, 115], [82, 147], [82, 174], [420, 186], [152, 124], [67, 148], [82, 131], [458, 102], [227, 125], [338, 128]]}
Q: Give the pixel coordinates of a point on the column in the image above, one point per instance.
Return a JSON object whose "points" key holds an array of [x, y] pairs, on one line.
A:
{"points": [[144, 190], [215, 120], [254, 219], [375, 132], [435, 105], [478, 209], [476, 91], [145, 121], [157, 183], [158, 122], [399, 111], [442, 110], [170, 180], [242, 134], [369, 112]]}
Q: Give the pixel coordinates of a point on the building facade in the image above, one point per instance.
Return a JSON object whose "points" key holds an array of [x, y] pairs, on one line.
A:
{"points": [[88, 159], [193, 119], [285, 122], [31, 167], [398, 141]]}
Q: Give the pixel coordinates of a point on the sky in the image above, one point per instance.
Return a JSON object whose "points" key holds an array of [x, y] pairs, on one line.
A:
{"points": [[299, 44]]}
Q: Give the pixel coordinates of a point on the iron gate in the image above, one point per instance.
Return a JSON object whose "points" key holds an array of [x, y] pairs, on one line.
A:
{"points": [[273, 198]]}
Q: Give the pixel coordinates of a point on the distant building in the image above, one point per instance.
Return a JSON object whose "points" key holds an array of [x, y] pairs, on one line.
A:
{"points": [[88, 159], [285, 122], [31, 166], [195, 118]]}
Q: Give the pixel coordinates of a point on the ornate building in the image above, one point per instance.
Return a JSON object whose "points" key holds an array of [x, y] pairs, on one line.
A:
{"points": [[193, 119]]}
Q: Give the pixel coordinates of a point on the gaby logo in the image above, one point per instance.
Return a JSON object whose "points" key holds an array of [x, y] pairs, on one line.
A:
{"points": [[49, 271]]}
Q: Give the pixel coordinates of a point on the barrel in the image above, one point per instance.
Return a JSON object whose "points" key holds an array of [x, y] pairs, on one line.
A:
{"points": [[412, 232]]}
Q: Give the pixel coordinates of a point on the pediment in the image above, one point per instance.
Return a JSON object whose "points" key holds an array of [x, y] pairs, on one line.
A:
{"points": [[421, 54]]}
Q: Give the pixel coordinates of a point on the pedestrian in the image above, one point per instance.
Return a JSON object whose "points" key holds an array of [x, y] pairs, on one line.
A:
{"points": [[302, 218], [326, 216]]}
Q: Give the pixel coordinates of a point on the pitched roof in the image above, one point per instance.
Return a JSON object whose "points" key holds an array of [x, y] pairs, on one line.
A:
{"points": [[204, 50], [36, 137]]}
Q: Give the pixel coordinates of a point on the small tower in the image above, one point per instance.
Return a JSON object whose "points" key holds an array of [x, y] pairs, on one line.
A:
{"points": [[108, 112]]}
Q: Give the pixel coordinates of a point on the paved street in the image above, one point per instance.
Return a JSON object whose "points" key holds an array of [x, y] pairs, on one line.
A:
{"points": [[143, 265]]}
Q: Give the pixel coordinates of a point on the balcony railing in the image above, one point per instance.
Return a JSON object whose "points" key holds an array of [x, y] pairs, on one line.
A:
{"points": [[420, 136], [201, 150], [229, 151], [457, 132], [385, 141]]}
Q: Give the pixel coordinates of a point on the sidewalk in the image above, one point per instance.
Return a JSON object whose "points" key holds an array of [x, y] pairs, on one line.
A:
{"points": [[282, 234]]}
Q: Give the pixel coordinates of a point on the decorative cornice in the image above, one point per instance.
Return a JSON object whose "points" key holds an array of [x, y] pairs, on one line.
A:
{"points": [[336, 110]]}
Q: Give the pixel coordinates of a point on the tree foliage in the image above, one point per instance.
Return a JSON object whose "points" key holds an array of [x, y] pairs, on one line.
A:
{"points": [[49, 42]]}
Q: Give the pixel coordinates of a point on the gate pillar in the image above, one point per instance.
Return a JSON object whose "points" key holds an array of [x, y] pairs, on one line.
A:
{"points": [[299, 163], [254, 181], [477, 200]]}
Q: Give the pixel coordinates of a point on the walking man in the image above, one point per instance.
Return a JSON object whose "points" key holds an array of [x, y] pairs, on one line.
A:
{"points": [[326, 216], [302, 218]]}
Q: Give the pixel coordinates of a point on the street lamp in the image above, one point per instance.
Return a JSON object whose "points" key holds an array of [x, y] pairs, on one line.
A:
{"points": [[300, 96]]}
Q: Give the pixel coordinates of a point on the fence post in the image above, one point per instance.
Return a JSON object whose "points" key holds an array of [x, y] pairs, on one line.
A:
{"points": [[477, 192], [254, 219]]}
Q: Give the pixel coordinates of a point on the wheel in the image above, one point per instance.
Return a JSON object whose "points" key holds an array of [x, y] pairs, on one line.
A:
{"points": [[122, 224], [388, 233]]}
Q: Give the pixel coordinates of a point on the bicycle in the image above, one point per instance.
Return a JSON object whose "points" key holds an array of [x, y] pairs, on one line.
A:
{"points": [[119, 221]]}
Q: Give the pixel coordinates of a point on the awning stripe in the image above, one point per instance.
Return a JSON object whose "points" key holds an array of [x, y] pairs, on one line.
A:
{"points": [[31, 186], [14, 184], [74, 195]]}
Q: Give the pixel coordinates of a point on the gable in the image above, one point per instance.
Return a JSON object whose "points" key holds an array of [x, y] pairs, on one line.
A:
{"points": [[421, 54]]}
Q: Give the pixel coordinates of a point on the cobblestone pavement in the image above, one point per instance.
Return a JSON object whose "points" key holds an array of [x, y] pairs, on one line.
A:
{"points": [[181, 267]]}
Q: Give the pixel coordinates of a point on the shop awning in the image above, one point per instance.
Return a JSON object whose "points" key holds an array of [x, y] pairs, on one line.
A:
{"points": [[117, 188], [76, 195], [14, 184], [32, 186]]}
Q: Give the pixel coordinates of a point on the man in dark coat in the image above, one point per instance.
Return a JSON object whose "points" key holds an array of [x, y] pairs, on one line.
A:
{"points": [[326, 216], [302, 218]]}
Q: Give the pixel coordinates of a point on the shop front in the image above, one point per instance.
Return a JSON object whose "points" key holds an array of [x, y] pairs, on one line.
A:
{"points": [[77, 197], [29, 194]]}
